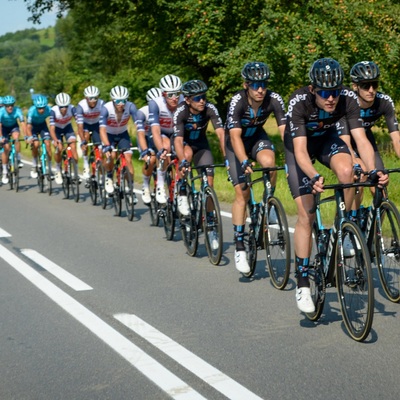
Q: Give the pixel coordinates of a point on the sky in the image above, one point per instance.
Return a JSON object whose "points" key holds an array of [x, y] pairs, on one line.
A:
{"points": [[14, 17]]}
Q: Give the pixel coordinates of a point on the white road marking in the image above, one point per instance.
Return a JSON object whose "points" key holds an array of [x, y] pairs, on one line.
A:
{"points": [[60, 273], [162, 377], [3, 233], [215, 378]]}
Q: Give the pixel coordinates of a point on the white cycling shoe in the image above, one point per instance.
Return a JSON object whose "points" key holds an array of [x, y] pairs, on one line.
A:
{"points": [[183, 205], [304, 300], [241, 263], [160, 195]]}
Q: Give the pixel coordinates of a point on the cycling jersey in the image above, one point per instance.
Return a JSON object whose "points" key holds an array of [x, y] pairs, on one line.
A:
{"points": [[35, 118], [142, 120], [62, 121], [10, 120], [88, 115], [108, 118]]}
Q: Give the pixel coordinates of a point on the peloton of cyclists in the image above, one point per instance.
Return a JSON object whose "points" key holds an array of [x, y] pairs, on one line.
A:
{"points": [[12, 122], [88, 116], [189, 140], [246, 139], [316, 115]]}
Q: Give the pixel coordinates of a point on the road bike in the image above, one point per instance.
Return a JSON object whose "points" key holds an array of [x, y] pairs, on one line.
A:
{"points": [[70, 177], [154, 206], [123, 185], [346, 267], [205, 215], [13, 169], [269, 230], [96, 181], [44, 177], [380, 223]]}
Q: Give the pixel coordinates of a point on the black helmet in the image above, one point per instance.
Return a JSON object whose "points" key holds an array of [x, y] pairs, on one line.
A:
{"points": [[255, 71], [194, 87], [364, 71], [326, 73]]}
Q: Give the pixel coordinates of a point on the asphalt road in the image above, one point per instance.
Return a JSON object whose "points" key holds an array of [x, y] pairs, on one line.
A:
{"points": [[93, 306]]}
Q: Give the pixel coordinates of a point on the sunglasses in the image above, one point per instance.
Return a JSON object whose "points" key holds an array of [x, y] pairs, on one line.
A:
{"points": [[9, 105], [198, 98], [63, 107], [42, 108], [120, 101], [325, 94], [92, 98], [367, 85], [171, 95], [257, 85]]}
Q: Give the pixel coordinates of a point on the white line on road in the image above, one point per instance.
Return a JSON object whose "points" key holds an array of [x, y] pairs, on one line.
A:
{"points": [[60, 273], [162, 377], [215, 378], [3, 233]]}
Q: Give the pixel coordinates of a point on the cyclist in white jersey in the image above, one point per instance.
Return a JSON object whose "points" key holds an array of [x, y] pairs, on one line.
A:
{"points": [[161, 111], [60, 127], [88, 116], [146, 143], [114, 118]]}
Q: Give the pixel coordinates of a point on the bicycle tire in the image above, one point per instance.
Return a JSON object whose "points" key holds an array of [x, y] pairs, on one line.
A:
{"points": [[154, 207], [190, 233], [387, 250], [251, 246], [277, 245], [48, 186], [212, 226], [74, 179], [101, 184], [65, 184], [354, 282], [318, 289], [117, 201], [169, 220], [128, 193], [40, 179], [11, 167], [16, 172]]}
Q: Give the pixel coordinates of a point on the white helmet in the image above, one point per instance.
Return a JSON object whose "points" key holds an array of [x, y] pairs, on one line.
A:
{"points": [[91, 91], [170, 83], [153, 93], [119, 93], [63, 99]]}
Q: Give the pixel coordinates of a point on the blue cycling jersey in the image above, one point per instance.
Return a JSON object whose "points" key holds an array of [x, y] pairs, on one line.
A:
{"points": [[10, 119], [35, 118]]}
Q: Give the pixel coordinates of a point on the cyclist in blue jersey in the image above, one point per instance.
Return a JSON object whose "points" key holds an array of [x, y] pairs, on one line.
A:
{"points": [[317, 115], [146, 143], [37, 125], [12, 123], [61, 127], [88, 116], [246, 139]]}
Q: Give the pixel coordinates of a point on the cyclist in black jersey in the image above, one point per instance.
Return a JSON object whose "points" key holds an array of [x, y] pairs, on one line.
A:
{"points": [[189, 139], [317, 115], [246, 139]]}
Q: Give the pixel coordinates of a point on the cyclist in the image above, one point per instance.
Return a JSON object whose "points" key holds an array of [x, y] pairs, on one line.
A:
{"points": [[246, 138], [37, 125], [114, 118], [373, 104], [316, 115], [60, 127], [146, 143], [12, 122], [88, 116], [161, 112], [189, 140]]}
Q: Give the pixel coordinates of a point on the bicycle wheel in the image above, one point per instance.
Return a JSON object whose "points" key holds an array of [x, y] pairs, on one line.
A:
{"points": [[318, 289], [387, 250], [190, 233], [66, 183], [101, 184], [354, 282], [277, 243], [47, 181], [153, 208], [74, 179], [212, 226], [40, 179], [128, 193], [251, 246], [169, 220], [16, 172], [11, 168]]}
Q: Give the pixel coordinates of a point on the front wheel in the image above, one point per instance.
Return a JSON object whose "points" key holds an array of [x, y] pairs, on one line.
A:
{"points": [[277, 243], [190, 234], [354, 281], [40, 179], [74, 179], [212, 226], [387, 250], [169, 220], [128, 193], [117, 201], [318, 288], [65, 184]]}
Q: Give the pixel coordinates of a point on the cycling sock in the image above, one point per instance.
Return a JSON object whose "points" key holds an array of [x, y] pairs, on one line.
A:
{"points": [[160, 177], [34, 162], [146, 180], [301, 265], [58, 167], [5, 168], [238, 237]]}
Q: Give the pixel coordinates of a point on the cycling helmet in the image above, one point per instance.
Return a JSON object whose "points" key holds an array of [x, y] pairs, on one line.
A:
{"points": [[255, 71], [91, 91], [364, 71], [119, 93], [40, 101], [326, 73], [153, 93], [170, 83], [194, 87], [8, 100], [63, 99]]}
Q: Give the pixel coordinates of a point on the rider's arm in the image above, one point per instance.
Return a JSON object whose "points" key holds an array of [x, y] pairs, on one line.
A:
{"points": [[220, 132], [53, 127], [154, 123], [79, 120], [395, 136]]}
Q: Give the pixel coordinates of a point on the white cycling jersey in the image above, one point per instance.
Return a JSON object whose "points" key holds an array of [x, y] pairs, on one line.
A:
{"points": [[142, 120], [88, 115], [108, 118], [61, 121]]}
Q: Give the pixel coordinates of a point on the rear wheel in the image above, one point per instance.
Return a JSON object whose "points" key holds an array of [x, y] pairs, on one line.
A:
{"points": [[153, 207], [354, 282], [66, 183], [128, 193], [387, 250], [47, 177], [169, 220], [277, 243], [318, 289], [16, 172], [101, 184], [189, 230], [251, 246], [212, 226], [117, 200], [74, 179], [40, 179]]}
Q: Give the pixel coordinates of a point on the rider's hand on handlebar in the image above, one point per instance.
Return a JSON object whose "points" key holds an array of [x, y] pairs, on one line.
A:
{"points": [[316, 184]]}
